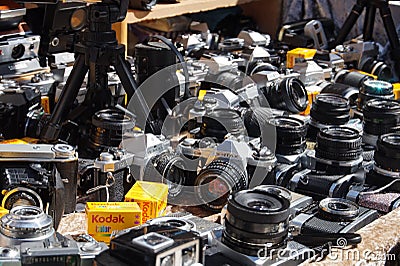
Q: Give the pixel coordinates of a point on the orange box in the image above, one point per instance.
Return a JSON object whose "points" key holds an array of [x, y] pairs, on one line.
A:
{"points": [[104, 218], [151, 196]]}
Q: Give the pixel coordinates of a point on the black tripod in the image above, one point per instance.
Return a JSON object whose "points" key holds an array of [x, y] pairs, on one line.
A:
{"points": [[371, 6], [98, 50]]}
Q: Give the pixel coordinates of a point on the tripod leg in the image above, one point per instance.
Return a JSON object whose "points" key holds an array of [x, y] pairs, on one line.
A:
{"points": [[130, 87], [350, 21], [369, 23], [392, 35], [74, 82]]}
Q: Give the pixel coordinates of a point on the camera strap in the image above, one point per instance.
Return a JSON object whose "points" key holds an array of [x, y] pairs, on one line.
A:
{"points": [[110, 181]]}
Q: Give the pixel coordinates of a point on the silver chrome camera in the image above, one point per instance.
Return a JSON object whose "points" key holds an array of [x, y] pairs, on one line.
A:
{"points": [[27, 237], [39, 175]]}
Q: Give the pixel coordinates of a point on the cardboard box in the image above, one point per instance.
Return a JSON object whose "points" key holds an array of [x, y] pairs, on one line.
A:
{"points": [[151, 197], [103, 218]]}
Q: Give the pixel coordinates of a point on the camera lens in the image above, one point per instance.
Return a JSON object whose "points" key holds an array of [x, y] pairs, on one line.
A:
{"points": [[18, 51], [291, 135], [215, 182], [344, 90], [336, 209], [289, 94], [107, 130], [328, 109], [380, 117], [219, 122], [387, 155], [255, 218], [374, 89], [377, 68], [172, 168], [25, 223], [353, 79], [338, 150]]}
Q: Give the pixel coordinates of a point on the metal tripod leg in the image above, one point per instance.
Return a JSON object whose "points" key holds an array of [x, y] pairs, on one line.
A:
{"points": [[369, 23], [350, 21], [68, 95]]}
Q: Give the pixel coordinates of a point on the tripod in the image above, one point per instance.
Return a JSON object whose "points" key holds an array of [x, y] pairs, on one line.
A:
{"points": [[371, 6], [98, 50]]}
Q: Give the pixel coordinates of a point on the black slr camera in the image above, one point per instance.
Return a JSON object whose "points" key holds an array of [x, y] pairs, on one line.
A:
{"points": [[335, 166], [256, 230]]}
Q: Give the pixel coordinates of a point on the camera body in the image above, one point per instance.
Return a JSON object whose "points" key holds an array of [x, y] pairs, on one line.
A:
{"points": [[39, 175], [31, 240], [332, 215], [154, 245], [232, 164], [189, 222], [363, 56], [108, 176]]}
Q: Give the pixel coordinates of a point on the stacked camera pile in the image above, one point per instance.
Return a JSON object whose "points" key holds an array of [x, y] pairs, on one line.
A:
{"points": [[297, 147]]}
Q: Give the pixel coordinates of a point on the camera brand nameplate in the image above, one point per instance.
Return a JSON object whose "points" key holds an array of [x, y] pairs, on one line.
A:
{"points": [[26, 151]]}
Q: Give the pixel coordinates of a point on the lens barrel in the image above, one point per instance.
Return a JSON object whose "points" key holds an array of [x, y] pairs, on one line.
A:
{"points": [[288, 94], [256, 218], [354, 78], [291, 135], [387, 155], [372, 89], [215, 182]]}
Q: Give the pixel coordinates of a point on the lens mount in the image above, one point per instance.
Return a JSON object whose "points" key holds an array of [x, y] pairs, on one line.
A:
{"points": [[21, 196], [337, 209]]}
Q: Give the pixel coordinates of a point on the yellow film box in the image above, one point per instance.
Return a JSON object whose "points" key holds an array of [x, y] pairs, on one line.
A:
{"points": [[151, 197], [103, 218]]}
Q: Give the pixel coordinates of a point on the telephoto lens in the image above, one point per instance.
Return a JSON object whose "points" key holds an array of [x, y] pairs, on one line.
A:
{"points": [[217, 180], [387, 161], [219, 122], [327, 110], [107, 130], [380, 117], [287, 94], [372, 89], [291, 135], [351, 78], [338, 150], [256, 219]]}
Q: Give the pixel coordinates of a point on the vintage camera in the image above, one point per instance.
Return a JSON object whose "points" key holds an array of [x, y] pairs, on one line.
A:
{"points": [[363, 56], [156, 244], [17, 103], [327, 110], [290, 149], [225, 167], [308, 33], [108, 177], [28, 238], [155, 160], [386, 157], [39, 175], [380, 117], [256, 229], [383, 199], [105, 132], [332, 215], [338, 160], [189, 222], [59, 26], [282, 92]]}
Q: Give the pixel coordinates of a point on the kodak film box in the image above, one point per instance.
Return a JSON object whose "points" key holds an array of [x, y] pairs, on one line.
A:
{"points": [[151, 197], [103, 218]]}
